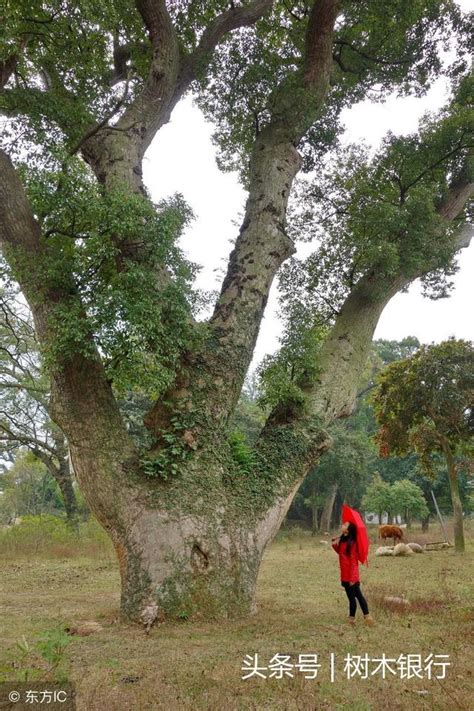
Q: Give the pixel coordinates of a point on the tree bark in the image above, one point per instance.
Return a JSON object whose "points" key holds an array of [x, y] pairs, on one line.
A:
{"points": [[314, 510], [61, 473], [425, 523], [459, 546], [328, 508]]}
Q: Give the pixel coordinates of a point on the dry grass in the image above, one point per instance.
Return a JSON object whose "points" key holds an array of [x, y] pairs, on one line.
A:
{"points": [[301, 609]]}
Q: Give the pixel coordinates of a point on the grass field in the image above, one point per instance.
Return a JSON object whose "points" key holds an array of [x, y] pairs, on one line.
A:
{"points": [[194, 665]]}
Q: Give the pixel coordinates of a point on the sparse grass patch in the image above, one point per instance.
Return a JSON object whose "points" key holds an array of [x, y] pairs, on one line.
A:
{"points": [[301, 609], [385, 597]]}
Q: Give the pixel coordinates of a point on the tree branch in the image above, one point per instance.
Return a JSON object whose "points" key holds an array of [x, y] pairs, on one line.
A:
{"points": [[170, 76], [319, 41], [226, 22], [340, 362], [347, 346], [23, 439], [404, 189], [156, 19], [376, 60], [7, 67], [263, 244], [18, 228]]}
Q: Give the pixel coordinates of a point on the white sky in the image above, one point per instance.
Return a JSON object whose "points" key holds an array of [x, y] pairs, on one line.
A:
{"points": [[182, 159]]}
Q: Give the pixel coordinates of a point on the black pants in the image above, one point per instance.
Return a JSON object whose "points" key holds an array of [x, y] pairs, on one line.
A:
{"points": [[354, 593]]}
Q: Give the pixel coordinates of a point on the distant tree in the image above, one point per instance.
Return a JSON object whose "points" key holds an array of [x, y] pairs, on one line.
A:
{"points": [[425, 404], [342, 471], [389, 351], [248, 417], [28, 489], [408, 500], [378, 497]]}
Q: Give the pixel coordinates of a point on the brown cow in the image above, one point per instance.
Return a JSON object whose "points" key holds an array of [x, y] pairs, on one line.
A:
{"points": [[394, 532]]}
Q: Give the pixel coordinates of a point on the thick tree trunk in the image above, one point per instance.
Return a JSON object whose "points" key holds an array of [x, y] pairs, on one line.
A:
{"points": [[425, 523], [328, 508], [191, 547], [192, 564], [455, 499]]}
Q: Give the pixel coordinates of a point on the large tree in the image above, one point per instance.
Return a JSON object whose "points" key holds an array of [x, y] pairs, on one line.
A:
{"points": [[425, 403], [87, 86]]}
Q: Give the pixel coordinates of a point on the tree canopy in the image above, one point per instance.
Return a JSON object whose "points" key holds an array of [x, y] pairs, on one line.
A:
{"points": [[425, 403]]}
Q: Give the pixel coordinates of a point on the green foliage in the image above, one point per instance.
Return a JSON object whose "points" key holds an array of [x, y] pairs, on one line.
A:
{"points": [[242, 454], [353, 462], [408, 499], [51, 644], [52, 537], [175, 449], [247, 417], [140, 326], [26, 661], [345, 464], [389, 351], [67, 48], [378, 48], [402, 497], [284, 375], [28, 488], [380, 214], [124, 288], [378, 497], [79, 66], [424, 403]]}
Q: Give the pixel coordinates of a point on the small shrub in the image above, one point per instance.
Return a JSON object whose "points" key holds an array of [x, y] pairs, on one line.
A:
{"points": [[42, 659], [418, 605]]}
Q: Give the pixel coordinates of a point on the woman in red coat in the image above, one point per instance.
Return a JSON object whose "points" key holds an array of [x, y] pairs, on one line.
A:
{"points": [[346, 547]]}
